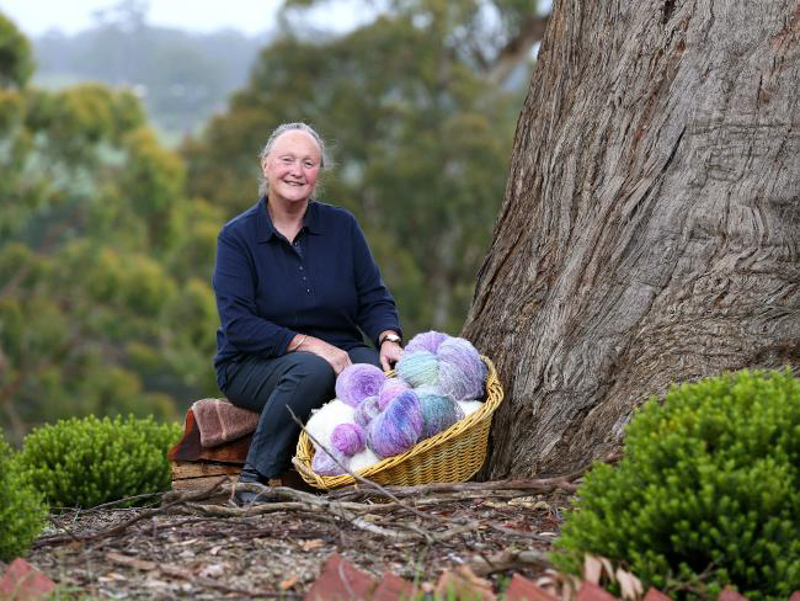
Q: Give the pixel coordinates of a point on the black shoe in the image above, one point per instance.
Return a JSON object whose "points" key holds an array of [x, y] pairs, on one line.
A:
{"points": [[249, 475]]}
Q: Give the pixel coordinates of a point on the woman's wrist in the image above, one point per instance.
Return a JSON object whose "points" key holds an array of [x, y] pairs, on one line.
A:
{"points": [[390, 336], [296, 342]]}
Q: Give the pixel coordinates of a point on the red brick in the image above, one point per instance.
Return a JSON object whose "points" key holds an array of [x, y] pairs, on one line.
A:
{"points": [[463, 583], [22, 582], [340, 579], [654, 595], [795, 596], [728, 594], [592, 592], [522, 589], [393, 588]]}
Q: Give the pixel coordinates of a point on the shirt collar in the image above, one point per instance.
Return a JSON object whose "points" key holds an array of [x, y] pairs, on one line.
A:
{"points": [[267, 231]]}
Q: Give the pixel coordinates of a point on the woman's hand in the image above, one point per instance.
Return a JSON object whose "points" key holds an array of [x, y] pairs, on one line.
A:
{"points": [[390, 354], [337, 358]]}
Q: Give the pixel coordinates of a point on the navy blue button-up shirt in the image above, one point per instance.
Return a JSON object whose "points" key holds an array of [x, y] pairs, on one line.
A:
{"points": [[325, 284]]}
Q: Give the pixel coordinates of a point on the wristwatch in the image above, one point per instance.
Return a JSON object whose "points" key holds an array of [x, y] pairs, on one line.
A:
{"points": [[390, 338]]}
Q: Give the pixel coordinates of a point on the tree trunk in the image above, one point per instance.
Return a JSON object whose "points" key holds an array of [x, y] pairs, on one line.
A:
{"points": [[651, 227]]}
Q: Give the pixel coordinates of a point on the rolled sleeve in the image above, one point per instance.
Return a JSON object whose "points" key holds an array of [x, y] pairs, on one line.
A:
{"points": [[235, 291]]}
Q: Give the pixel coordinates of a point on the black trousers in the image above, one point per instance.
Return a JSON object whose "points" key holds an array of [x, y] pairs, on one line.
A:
{"points": [[301, 381]]}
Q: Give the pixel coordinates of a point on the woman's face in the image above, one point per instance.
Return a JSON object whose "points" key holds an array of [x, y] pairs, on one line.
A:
{"points": [[292, 166]]}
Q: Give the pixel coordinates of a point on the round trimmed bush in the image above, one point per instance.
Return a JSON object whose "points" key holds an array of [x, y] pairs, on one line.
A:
{"points": [[708, 493], [22, 512], [87, 462]]}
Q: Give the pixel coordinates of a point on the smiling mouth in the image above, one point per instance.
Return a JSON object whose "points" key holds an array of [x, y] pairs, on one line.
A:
{"points": [[296, 184]]}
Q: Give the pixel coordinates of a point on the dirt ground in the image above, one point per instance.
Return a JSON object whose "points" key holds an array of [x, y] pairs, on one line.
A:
{"points": [[279, 554]]}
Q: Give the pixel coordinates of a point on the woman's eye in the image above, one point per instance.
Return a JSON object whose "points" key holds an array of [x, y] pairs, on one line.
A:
{"points": [[287, 160], [310, 164]]}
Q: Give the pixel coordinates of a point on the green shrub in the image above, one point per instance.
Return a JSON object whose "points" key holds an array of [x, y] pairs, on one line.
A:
{"points": [[707, 495], [86, 462], [22, 512]]}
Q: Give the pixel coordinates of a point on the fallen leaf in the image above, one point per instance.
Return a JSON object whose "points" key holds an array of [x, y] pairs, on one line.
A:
{"points": [[312, 544], [214, 570], [631, 586], [463, 583], [215, 550], [592, 569], [542, 505], [288, 583]]}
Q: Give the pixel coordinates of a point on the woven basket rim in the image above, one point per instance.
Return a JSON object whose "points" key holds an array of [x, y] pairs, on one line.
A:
{"points": [[305, 450]]}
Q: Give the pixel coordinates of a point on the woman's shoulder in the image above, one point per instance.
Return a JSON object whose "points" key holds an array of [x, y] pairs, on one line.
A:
{"points": [[243, 222], [333, 214]]}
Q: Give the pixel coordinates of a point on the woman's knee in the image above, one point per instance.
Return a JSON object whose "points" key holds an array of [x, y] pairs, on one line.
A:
{"points": [[312, 371]]}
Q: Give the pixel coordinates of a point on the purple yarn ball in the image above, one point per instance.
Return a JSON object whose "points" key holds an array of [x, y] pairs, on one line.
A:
{"points": [[366, 411], [390, 389], [418, 369], [426, 341], [461, 370], [324, 465], [348, 439], [359, 381], [398, 427], [439, 412]]}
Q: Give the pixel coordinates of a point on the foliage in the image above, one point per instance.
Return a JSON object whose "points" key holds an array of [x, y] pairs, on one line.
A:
{"points": [[16, 58], [86, 462], [708, 493], [22, 512], [420, 134], [105, 300]]}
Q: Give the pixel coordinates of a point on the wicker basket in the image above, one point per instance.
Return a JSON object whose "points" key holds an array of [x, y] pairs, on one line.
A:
{"points": [[454, 455]]}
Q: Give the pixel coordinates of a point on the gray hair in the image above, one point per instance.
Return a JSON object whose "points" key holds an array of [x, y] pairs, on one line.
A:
{"points": [[325, 160]]}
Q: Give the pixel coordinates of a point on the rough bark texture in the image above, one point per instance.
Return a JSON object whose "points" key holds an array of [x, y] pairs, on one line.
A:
{"points": [[651, 228]]}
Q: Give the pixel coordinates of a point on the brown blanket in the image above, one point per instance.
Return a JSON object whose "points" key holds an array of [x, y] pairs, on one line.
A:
{"points": [[219, 421]]}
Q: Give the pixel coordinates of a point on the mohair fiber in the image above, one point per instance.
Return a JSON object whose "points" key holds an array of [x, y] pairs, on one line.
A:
{"points": [[324, 420], [439, 411], [366, 411], [398, 427], [324, 465], [358, 382], [418, 369], [470, 406], [364, 459], [461, 370], [426, 341], [348, 439], [390, 389]]}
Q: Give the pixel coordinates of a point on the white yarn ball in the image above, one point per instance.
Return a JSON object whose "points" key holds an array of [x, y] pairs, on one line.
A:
{"points": [[364, 459], [322, 422], [470, 406]]}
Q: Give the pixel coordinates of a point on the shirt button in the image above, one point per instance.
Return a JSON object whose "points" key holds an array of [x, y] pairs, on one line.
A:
{"points": [[301, 268], [308, 290]]}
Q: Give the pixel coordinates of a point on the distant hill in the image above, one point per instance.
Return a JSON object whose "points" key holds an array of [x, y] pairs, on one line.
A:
{"points": [[182, 77]]}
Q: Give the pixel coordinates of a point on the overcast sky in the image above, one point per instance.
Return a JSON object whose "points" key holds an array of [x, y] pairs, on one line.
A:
{"points": [[35, 17]]}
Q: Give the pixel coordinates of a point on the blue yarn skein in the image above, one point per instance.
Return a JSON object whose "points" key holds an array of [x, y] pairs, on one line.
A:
{"points": [[418, 369], [398, 427], [439, 412]]}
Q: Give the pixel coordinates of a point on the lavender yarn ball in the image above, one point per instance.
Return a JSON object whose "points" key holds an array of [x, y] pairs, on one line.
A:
{"points": [[398, 427], [348, 439], [461, 370], [366, 411], [418, 369], [426, 341], [359, 381], [439, 412], [390, 389], [324, 465], [322, 422]]}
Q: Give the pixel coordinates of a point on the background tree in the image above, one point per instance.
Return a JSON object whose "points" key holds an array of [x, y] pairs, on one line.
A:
{"points": [[420, 122], [105, 302], [649, 231]]}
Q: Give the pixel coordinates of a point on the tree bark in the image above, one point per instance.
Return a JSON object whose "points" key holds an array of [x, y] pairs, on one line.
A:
{"points": [[650, 231]]}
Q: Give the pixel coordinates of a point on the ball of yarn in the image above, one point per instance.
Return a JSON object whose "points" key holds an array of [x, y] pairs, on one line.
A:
{"points": [[426, 341], [366, 411], [324, 420], [324, 465], [363, 460], [357, 382], [439, 412], [398, 427], [418, 369], [348, 439], [461, 371], [390, 389], [470, 406]]}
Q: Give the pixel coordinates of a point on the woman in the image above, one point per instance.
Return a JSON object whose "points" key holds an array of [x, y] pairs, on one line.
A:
{"points": [[296, 286]]}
